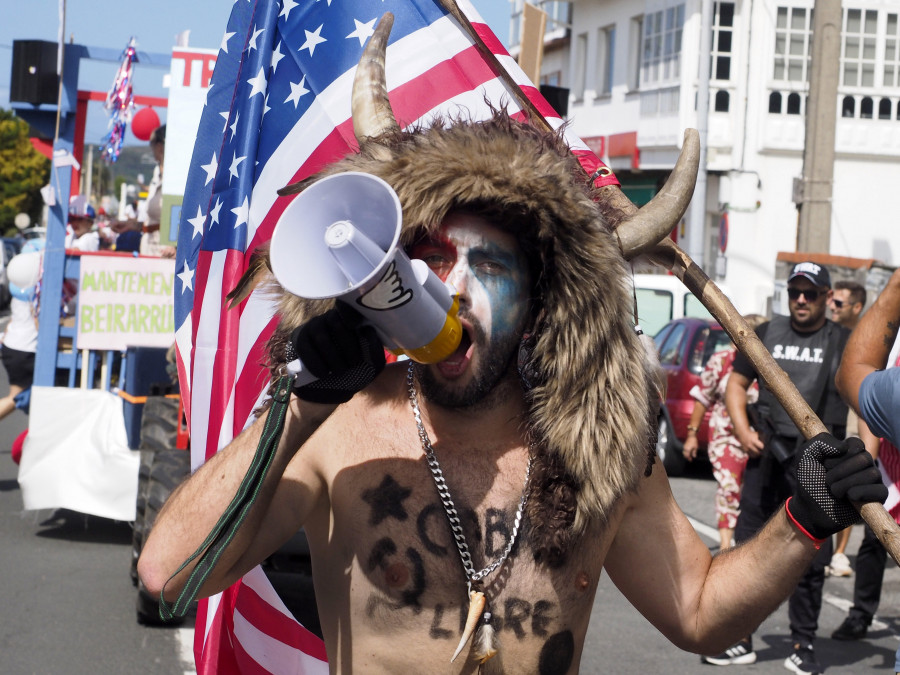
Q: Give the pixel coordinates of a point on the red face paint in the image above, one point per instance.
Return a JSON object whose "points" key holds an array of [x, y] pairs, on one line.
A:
{"points": [[438, 252]]}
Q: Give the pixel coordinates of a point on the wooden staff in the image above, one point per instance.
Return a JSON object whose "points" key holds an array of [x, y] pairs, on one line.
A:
{"points": [[614, 205]]}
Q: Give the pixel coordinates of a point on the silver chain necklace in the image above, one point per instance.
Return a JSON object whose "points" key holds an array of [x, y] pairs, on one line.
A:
{"points": [[472, 576]]}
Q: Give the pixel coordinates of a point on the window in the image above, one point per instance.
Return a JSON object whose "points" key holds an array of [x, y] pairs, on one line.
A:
{"points": [[578, 82], [793, 103], [793, 29], [721, 102], [775, 102], [884, 109], [661, 54], [723, 23], [553, 79], [606, 49], [670, 349], [865, 108], [858, 57], [634, 52], [892, 53], [848, 107]]}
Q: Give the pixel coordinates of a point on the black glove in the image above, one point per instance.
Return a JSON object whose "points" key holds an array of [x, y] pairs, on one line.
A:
{"points": [[830, 475], [335, 347]]}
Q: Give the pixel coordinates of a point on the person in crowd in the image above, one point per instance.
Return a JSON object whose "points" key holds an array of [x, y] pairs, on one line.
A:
{"points": [[150, 244], [464, 496], [80, 234], [808, 347], [847, 303], [873, 393], [726, 455]]}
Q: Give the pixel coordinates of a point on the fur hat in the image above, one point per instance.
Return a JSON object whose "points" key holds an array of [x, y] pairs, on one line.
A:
{"points": [[590, 400]]}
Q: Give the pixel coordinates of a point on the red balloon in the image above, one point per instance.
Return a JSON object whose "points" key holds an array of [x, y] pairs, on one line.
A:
{"points": [[144, 122]]}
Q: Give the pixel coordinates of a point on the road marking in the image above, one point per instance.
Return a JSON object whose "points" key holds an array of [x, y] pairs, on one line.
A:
{"points": [[185, 637]]}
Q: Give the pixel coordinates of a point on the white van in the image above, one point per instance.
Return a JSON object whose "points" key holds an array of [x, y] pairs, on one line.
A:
{"points": [[662, 297]]}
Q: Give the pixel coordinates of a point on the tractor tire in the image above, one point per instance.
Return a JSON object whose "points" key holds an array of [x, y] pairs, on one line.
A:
{"points": [[159, 423], [169, 469], [162, 469], [137, 530]]}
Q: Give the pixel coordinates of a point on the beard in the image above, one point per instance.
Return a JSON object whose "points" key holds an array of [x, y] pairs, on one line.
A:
{"points": [[494, 366]]}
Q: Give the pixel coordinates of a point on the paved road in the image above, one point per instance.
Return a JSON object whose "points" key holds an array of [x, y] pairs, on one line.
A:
{"points": [[622, 642], [68, 601]]}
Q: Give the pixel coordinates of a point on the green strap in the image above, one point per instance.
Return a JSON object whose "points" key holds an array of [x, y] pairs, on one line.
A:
{"points": [[222, 534]]}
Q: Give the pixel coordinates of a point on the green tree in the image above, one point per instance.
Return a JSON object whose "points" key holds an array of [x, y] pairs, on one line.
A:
{"points": [[23, 171]]}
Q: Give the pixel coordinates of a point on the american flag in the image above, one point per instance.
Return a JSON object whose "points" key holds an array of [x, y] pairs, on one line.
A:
{"points": [[277, 111], [889, 465]]}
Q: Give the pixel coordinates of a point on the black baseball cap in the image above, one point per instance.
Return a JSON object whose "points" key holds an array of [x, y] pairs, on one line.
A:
{"points": [[814, 272]]}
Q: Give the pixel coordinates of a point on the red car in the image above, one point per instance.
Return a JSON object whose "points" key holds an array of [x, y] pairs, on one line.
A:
{"points": [[685, 346]]}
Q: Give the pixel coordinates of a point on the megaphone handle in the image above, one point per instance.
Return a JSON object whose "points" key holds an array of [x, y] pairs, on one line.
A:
{"points": [[302, 375]]}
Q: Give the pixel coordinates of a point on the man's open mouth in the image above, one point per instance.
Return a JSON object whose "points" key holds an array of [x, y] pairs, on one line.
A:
{"points": [[456, 364]]}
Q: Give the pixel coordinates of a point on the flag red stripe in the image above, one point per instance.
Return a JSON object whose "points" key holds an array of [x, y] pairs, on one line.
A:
{"points": [[276, 625], [252, 378], [226, 353], [245, 663], [217, 656], [490, 40], [333, 147]]}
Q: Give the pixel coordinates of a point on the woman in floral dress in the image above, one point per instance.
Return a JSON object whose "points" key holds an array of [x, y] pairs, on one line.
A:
{"points": [[727, 457]]}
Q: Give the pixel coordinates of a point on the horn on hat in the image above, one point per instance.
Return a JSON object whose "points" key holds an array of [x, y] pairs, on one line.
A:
{"points": [[370, 105]]}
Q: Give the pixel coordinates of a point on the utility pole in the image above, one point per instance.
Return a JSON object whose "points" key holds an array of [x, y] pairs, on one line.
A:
{"points": [[696, 245], [816, 182]]}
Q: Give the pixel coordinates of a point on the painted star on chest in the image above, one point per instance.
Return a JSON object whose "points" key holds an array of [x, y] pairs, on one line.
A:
{"points": [[386, 500]]}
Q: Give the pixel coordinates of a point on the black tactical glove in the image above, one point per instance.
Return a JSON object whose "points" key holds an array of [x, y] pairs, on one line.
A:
{"points": [[830, 475], [335, 347]]}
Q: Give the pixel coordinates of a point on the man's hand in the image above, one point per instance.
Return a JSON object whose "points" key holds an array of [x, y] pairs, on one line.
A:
{"points": [[751, 442], [830, 475], [345, 355]]}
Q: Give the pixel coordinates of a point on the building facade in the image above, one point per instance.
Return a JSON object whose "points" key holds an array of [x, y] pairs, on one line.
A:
{"points": [[632, 71]]}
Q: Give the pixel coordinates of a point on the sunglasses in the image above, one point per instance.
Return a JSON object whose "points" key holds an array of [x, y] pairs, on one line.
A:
{"points": [[838, 304], [811, 295]]}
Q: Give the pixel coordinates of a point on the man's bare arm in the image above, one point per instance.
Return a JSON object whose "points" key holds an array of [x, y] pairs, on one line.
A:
{"points": [[700, 603], [194, 509], [871, 342], [736, 403]]}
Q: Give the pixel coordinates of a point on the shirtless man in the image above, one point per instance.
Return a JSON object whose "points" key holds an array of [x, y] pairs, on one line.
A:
{"points": [[540, 424], [389, 585]]}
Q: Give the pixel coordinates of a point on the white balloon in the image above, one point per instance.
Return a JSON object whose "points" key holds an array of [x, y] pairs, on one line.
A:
{"points": [[24, 270]]}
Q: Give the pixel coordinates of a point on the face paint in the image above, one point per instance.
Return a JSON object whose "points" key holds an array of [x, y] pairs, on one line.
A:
{"points": [[489, 271]]}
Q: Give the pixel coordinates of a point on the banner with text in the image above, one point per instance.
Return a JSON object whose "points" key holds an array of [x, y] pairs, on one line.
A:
{"points": [[125, 302]]}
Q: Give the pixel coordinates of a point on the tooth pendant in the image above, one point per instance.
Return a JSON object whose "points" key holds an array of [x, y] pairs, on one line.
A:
{"points": [[476, 609]]}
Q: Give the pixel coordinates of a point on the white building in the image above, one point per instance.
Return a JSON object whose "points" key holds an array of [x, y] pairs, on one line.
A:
{"points": [[632, 69]]}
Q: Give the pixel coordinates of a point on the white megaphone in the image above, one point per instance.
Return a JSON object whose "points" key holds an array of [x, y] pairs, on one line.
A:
{"points": [[338, 239]]}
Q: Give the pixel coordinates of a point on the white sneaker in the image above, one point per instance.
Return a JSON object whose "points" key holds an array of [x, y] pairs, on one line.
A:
{"points": [[840, 566]]}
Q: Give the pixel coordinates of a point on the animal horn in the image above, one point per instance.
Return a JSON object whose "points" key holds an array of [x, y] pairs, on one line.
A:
{"points": [[370, 105], [641, 231], [476, 608]]}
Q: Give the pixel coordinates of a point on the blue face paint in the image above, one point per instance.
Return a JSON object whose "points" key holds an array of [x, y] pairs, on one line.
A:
{"points": [[489, 271]]}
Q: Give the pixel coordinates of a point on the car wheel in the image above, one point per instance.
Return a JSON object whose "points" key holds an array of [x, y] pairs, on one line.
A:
{"points": [[667, 448]]}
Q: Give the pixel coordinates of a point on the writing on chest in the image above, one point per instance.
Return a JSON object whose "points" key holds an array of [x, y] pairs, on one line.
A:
{"points": [[404, 545]]}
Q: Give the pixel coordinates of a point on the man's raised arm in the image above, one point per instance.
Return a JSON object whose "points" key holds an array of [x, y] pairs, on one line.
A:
{"points": [[871, 342], [345, 357], [195, 507]]}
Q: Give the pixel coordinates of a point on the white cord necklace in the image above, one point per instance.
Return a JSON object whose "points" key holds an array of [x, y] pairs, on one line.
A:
{"points": [[485, 647]]}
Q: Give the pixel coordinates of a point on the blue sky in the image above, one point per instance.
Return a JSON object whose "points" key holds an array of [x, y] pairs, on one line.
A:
{"points": [[153, 24]]}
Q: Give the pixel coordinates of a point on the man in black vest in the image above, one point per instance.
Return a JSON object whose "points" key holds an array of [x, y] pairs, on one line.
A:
{"points": [[808, 347]]}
